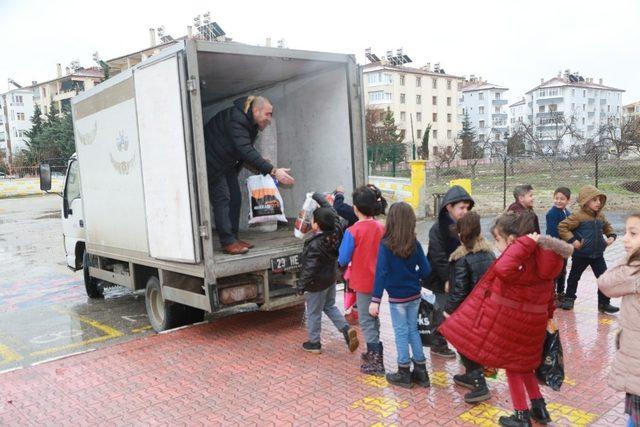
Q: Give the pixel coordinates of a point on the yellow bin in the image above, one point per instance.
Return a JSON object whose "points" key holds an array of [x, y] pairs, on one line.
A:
{"points": [[464, 183]]}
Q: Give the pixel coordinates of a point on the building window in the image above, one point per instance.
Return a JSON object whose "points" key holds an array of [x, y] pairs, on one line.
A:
{"points": [[419, 117], [583, 120], [449, 101], [542, 93], [553, 108], [434, 100], [379, 79], [379, 96], [435, 134], [541, 109], [434, 117], [608, 110], [481, 137], [449, 84], [584, 107], [418, 81], [418, 99], [553, 92], [402, 80], [481, 124], [435, 150], [448, 118], [497, 136], [497, 95], [449, 134], [18, 100], [584, 93], [403, 116], [434, 83], [481, 110], [419, 133], [402, 98], [20, 117], [497, 110], [573, 92], [481, 96]]}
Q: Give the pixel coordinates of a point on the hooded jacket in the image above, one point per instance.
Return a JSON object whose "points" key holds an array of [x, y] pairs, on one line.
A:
{"points": [[623, 281], [503, 322], [229, 140], [443, 239], [319, 263], [467, 267], [587, 226]]}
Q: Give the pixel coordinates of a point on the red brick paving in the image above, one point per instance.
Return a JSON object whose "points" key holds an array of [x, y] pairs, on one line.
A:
{"points": [[250, 370]]}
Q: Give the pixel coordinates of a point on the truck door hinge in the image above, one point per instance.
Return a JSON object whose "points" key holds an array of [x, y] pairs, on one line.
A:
{"points": [[191, 86], [203, 230]]}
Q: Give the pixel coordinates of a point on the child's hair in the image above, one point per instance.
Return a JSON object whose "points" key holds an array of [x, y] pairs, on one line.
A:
{"points": [[564, 191], [325, 219], [636, 255], [468, 228], [512, 224], [521, 190], [369, 201], [400, 230], [381, 201]]}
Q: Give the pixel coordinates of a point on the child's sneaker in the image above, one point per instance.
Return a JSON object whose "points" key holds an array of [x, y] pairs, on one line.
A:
{"points": [[312, 347], [351, 337]]}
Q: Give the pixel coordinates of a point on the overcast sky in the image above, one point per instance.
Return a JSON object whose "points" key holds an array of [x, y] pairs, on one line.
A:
{"points": [[512, 43]]}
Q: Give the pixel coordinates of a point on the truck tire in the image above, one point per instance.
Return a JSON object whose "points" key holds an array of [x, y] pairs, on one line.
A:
{"points": [[91, 284], [162, 314]]}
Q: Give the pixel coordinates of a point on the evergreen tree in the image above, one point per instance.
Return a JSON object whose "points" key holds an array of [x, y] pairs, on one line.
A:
{"points": [[425, 142], [469, 139], [390, 130]]}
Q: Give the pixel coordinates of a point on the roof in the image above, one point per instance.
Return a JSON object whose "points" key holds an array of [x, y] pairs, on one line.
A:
{"points": [[562, 81], [633, 104], [521, 102], [472, 86], [409, 70], [147, 49], [91, 72]]}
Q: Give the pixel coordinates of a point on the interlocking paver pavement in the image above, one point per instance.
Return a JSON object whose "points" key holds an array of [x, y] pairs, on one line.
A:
{"points": [[250, 370]]}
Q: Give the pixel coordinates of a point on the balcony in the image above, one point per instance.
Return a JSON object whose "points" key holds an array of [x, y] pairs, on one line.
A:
{"points": [[591, 100], [498, 102], [547, 101], [495, 116], [549, 114]]}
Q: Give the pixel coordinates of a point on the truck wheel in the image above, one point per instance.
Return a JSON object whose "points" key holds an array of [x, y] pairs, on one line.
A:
{"points": [[162, 314], [91, 284]]}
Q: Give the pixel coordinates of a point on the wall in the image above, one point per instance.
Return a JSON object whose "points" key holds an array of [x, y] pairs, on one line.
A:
{"points": [[393, 189]]}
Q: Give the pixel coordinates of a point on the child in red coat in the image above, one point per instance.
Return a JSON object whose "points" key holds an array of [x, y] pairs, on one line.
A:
{"points": [[502, 323]]}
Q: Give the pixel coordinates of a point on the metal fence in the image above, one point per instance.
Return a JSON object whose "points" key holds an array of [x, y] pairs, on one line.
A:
{"points": [[493, 180], [389, 160]]}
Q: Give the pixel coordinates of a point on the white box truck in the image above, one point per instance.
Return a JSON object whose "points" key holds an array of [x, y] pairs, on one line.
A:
{"points": [[136, 207]]}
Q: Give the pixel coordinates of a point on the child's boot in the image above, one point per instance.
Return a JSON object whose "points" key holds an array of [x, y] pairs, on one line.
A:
{"points": [[351, 337], [567, 303], [480, 392], [402, 378], [378, 360], [419, 375], [607, 308], [369, 364], [539, 411], [518, 419]]}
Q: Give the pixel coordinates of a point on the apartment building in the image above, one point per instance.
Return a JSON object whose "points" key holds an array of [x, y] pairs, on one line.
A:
{"points": [[418, 97], [17, 110], [64, 87], [485, 104]]}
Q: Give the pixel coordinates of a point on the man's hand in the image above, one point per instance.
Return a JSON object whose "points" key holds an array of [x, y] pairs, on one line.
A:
{"points": [[283, 177], [446, 287], [374, 309], [610, 241], [534, 237], [340, 189], [577, 244], [445, 314]]}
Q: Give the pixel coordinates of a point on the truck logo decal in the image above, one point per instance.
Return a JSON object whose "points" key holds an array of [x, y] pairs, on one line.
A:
{"points": [[88, 138], [122, 145]]}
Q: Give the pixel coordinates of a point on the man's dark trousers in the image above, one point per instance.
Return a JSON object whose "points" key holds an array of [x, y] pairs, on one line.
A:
{"points": [[226, 199]]}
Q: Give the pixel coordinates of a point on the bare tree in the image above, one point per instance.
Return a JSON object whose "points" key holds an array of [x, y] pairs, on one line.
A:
{"points": [[444, 155], [619, 136], [545, 138]]}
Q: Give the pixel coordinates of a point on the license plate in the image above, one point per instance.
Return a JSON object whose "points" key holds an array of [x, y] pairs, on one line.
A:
{"points": [[285, 264]]}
